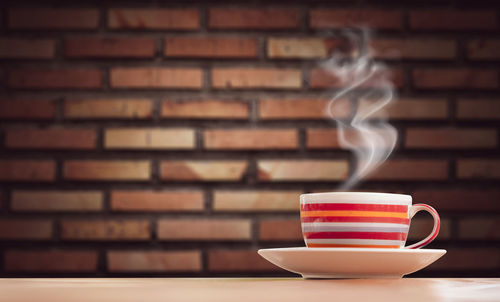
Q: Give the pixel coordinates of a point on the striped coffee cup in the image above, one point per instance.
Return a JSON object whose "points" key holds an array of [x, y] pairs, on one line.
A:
{"points": [[363, 220]]}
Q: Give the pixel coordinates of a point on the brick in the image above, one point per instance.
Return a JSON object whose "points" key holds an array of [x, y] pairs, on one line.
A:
{"points": [[256, 201], [149, 138], [117, 170], [460, 259], [50, 261], [302, 48], [204, 109], [55, 78], [27, 170], [246, 18], [483, 49], [450, 138], [27, 109], [24, 229], [250, 139], [280, 230], [108, 109], [320, 78], [411, 170], [168, 201], [238, 261], [252, 78], [83, 139], [154, 261], [276, 109], [340, 18], [137, 229], [204, 229], [15, 48], [461, 200], [421, 227], [409, 109], [302, 170], [480, 109], [329, 138], [480, 228], [144, 19], [478, 168], [155, 77], [56, 201], [419, 49], [53, 18], [210, 47], [109, 47], [455, 78], [208, 170], [452, 20]]}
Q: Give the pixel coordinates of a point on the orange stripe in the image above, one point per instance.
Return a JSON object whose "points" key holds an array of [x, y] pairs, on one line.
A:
{"points": [[353, 245], [353, 213]]}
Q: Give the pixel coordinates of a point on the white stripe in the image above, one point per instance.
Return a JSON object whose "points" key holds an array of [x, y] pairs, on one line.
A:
{"points": [[356, 241], [402, 203], [355, 224]]}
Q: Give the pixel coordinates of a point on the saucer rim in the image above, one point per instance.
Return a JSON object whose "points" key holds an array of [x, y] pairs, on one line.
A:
{"points": [[356, 250]]}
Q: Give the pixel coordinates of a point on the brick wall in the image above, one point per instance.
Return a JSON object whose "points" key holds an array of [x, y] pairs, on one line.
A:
{"points": [[143, 139]]}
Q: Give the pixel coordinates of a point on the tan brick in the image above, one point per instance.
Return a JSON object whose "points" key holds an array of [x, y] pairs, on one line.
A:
{"points": [[276, 109], [143, 19], [15, 48], [409, 109], [280, 230], [210, 47], [126, 200], [455, 78], [53, 18], [27, 109], [204, 109], [251, 78], [481, 109], [459, 199], [246, 18], [421, 227], [137, 229], [453, 138], [425, 49], [238, 261], [252, 201], [208, 170], [302, 48], [55, 201], [320, 78], [204, 229], [480, 228], [55, 78], [302, 170], [84, 139], [25, 229], [329, 138], [108, 109], [452, 20], [340, 18], [27, 170], [123, 170], [411, 169], [50, 261], [478, 168], [154, 261], [156, 77], [109, 47], [149, 138], [460, 259], [250, 139]]}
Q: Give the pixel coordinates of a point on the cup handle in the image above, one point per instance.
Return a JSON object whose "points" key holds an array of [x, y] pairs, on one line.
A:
{"points": [[437, 223]]}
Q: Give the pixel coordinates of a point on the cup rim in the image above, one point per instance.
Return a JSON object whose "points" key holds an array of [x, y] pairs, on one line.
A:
{"points": [[357, 196]]}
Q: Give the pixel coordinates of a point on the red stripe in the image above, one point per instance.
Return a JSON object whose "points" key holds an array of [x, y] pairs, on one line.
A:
{"points": [[357, 219], [356, 235], [353, 207]]}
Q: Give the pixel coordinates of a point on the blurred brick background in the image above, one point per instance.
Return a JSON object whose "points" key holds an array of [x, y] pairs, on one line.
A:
{"points": [[141, 139]]}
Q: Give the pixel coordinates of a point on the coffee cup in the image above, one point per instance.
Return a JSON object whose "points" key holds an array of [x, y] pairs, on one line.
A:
{"points": [[361, 220]]}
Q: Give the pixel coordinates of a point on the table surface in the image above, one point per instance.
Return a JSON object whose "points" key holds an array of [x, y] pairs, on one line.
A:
{"points": [[248, 289]]}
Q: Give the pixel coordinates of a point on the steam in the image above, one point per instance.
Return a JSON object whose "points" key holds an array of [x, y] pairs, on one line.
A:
{"points": [[367, 133]]}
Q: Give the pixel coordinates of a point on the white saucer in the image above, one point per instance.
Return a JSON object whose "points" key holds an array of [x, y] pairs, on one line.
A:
{"points": [[351, 262]]}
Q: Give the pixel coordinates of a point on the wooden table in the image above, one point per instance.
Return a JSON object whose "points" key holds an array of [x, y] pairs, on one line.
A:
{"points": [[243, 289]]}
